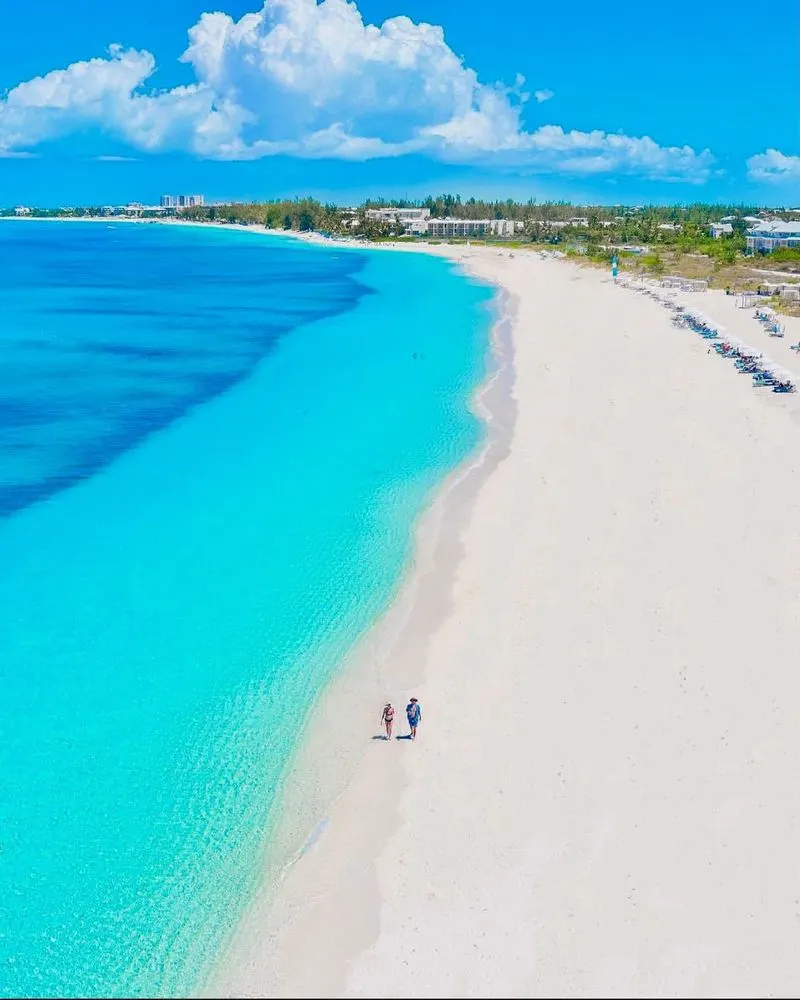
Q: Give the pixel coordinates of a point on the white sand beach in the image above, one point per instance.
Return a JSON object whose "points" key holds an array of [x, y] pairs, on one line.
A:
{"points": [[601, 628]]}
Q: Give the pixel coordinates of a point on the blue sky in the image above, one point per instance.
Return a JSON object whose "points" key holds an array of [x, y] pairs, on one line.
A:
{"points": [[237, 98]]}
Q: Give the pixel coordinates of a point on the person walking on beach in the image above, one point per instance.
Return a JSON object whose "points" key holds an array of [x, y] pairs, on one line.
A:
{"points": [[388, 719], [413, 714]]}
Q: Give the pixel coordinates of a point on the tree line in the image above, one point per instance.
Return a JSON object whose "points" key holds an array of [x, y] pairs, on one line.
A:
{"points": [[683, 228]]}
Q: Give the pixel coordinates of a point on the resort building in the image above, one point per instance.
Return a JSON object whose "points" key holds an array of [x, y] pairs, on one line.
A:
{"points": [[22, 210], [416, 227], [137, 209], [718, 229], [403, 215], [765, 237], [182, 201], [465, 228]]}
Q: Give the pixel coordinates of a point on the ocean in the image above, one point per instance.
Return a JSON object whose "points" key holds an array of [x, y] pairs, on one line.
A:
{"points": [[213, 449]]}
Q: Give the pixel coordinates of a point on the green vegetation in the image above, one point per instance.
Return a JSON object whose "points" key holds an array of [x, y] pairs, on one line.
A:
{"points": [[784, 255], [300, 214], [653, 263], [597, 230]]}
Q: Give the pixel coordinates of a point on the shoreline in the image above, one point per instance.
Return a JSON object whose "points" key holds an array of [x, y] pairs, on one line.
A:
{"points": [[319, 777], [607, 690]]}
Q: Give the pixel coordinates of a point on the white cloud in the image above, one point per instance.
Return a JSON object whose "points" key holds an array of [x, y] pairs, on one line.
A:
{"points": [[311, 79], [774, 167], [116, 159], [96, 91]]}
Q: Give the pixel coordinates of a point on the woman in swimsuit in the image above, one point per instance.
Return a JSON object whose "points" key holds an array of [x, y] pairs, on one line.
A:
{"points": [[388, 719]]}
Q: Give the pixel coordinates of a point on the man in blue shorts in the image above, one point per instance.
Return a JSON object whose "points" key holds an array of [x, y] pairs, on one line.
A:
{"points": [[413, 714]]}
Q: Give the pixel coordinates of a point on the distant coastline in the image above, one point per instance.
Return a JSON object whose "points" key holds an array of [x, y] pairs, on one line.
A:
{"points": [[697, 248]]}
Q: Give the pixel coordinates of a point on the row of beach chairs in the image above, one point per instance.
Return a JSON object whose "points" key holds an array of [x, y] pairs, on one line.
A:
{"points": [[746, 361], [769, 321]]}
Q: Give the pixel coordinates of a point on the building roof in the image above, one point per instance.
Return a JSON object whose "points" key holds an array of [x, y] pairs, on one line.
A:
{"points": [[774, 228]]}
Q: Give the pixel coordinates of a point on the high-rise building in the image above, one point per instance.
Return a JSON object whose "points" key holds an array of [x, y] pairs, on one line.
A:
{"points": [[182, 200]]}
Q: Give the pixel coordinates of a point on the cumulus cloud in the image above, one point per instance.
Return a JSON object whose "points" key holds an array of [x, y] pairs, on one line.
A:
{"points": [[774, 167], [95, 91], [311, 79]]}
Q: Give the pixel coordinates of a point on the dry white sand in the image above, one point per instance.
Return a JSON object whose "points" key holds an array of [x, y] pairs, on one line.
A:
{"points": [[602, 631]]}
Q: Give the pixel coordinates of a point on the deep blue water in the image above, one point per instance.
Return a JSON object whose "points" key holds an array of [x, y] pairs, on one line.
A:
{"points": [[109, 333], [213, 447]]}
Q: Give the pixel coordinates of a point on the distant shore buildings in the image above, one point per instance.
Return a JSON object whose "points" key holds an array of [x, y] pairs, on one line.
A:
{"points": [[418, 222], [764, 237], [465, 228], [404, 216], [719, 229], [176, 201]]}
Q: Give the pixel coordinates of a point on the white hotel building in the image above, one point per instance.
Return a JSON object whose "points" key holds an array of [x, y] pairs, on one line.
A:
{"points": [[465, 228], [404, 215], [417, 222], [765, 237]]}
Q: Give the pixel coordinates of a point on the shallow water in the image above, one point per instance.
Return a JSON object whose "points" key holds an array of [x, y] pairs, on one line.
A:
{"points": [[213, 446]]}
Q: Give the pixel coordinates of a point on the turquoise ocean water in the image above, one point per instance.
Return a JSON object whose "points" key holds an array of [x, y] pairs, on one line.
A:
{"points": [[213, 447]]}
